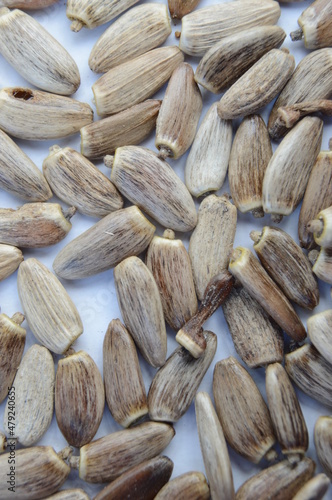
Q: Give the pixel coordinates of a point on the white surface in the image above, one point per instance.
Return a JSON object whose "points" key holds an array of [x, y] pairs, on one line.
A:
{"points": [[95, 297]]}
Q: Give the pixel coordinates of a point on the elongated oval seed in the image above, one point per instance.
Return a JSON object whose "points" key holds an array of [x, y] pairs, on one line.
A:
{"points": [[136, 80], [203, 28], [170, 265], [249, 157], [152, 185], [236, 394], [317, 196], [189, 486], [179, 113], [36, 115], [146, 479], [141, 309], [286, 414], [320, 333], [288, 171], [284, 479], [124, 384], [323, 443], [321, 227], [314, 489], [19, 175], [129, 127], [258, 86], [214, 449], [312, 79], [311, 373], [207, 162], [139, 30], [233, 55], [174, 386], [315, 25], [258, 283], [85, 14], [35, 225], [12, 342], [212, 240], [78, 182], [10, 258], [26, 4], [322, 264], [34, 401], [117, 236], [50, 312], [40, 471], [107, 458], [79, 398], [36, 54], [287, 265], [258, 340]]}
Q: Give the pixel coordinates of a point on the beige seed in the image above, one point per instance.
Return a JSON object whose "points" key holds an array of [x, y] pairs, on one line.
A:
{"points": [[322, 264], [314, 489], [50, 312], [323, 443], [26, 4], [36, 54], [85, 14], [117, 236], [77, 182], [10, 258], [321, 227], [33, 401], [320, 333], [79, 398], [242, 412], [315, 25], [189, 486], [72, 494], [35, 225], [124, 384], [12, 342], [36, 115]]}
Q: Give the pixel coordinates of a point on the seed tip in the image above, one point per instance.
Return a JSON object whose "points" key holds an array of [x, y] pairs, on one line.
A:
{"points": [[76, 26], [108, 161], [296, 35]]}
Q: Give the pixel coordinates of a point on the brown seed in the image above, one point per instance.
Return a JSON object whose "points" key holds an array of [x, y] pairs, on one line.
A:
{"points": [[314, 489], [189, 486], [12, 342], [323, 443]]}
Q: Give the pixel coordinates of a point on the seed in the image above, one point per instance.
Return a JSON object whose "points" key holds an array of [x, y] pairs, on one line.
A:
{"points": [[288, 171], [35, 225], [190, 335], [34, 401], [124, 384], [36, 54], [212, 240], [322, 264], [85, 14], [19, 175], [152, 184], [228, 59], [258, 85], [317, 196], [258, 340], [146, 479], [257, 282], [311, 373], [249, 157], [321, 227], [36, 115], [284, 479], [139, 30], [207, 162], [315, 25], [179, 8], [312, 79], [40, 471], [134, 81], [242, 412], [72, 494], [314, 489], [141, 309], [76, 181], [286, 414], [214, 449], [10, 258], [203, 28], [174, 386], [323, 443], [107, 458], [169, 262], [49, 311], [79, 398], [129, 127], [117, 236], [179, 113], [287, 265], [189, 486], [319, 331], [12, 342], [27, 4]]}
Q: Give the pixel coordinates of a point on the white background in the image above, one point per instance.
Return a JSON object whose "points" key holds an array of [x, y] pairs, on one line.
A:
{"points": [[95, 297]]}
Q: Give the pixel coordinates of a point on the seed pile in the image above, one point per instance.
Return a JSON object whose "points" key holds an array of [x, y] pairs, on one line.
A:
{"points": [[144, 211]]}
